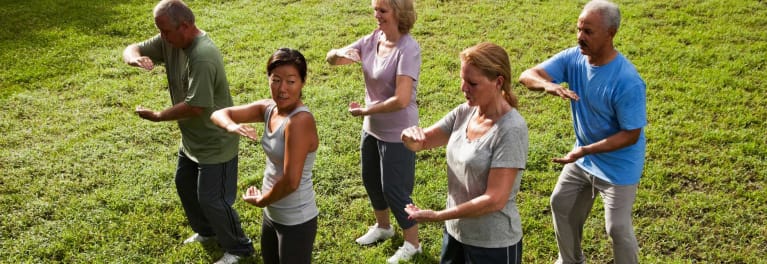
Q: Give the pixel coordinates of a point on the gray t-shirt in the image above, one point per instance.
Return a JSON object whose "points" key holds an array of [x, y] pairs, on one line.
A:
{"points": [[299, 206], [468, 167]]}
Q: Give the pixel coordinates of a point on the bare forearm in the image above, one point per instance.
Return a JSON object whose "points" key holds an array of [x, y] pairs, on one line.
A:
{"points": [[335, 58], [130, 54], [400, 99], [417, 139], [179, 111], [536, 79], [533, 81], [133, 57], [222, 118], [280, 190], [392, 104], [619, 140], [478, 206]]}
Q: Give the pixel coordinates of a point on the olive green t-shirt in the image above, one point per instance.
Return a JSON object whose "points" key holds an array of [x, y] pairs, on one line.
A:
{"points": [[196, 76]]}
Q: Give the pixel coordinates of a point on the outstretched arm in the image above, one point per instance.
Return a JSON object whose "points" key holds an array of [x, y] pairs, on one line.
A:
{"points": [[499, 185], [343, 56], [417, 139], [231, 118], [537, 79], [132, 56], [176, 112], [398, 101], [622, 139]]}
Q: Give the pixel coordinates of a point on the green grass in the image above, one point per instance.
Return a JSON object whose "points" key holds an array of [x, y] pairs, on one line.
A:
{"points": [[85, 180]]}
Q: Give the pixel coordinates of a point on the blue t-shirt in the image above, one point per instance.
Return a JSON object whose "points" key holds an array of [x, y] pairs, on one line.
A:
{"points": [[612, 98]]}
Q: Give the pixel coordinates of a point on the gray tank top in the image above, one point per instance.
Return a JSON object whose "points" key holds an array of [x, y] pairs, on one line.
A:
{"points": [[299, 206]]}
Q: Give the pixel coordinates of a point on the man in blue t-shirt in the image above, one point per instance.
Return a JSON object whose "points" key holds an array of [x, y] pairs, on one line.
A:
{"points": [[608, 104]]}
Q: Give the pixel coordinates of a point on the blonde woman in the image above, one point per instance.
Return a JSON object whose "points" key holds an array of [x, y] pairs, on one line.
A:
{"points": [[391, 62], [487, 144]]}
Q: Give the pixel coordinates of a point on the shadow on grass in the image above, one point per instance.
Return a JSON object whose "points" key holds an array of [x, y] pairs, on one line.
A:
{"points": [[48, 39]]}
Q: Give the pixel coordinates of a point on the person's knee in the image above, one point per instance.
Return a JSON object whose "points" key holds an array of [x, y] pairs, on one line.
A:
{"points": [[620, 232], [396, 200], [558, 202]]}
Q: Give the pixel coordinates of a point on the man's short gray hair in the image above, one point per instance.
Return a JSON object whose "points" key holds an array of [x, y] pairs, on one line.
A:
{"points": [[611, 15], [176, 10]]}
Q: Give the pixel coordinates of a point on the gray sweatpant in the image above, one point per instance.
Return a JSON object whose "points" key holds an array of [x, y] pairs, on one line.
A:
{"points": [[571, 202]]}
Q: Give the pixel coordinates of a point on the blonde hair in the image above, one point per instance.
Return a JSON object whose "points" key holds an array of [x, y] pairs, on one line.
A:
{"points": [[404, 10], [493, 61]]}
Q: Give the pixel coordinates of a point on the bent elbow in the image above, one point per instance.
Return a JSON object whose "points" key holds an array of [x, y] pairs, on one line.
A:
{"points": [[521, 78], [292, 185], [633, 137], [498, 204], [525, 77], [215, 114], [402, 103], [330, 58]]}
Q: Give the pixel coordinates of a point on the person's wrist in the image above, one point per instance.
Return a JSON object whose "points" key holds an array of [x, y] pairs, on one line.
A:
{"points": [[585, 151]]}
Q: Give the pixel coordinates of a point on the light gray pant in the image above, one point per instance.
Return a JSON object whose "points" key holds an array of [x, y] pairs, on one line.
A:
{"points": [[571, 202]]}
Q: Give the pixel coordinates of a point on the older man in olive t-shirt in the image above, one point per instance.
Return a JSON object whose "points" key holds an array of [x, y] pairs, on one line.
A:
{"points": [[206, 175]]}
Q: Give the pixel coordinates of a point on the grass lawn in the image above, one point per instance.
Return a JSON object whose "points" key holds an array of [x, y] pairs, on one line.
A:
{"points": [[85, 180]]}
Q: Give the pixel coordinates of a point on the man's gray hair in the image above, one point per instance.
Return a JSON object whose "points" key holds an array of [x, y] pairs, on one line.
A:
{"points": [[611, 15], [176, 10]]}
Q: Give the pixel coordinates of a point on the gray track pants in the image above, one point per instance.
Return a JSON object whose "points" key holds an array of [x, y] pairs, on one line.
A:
{"points": [[571, 202]]}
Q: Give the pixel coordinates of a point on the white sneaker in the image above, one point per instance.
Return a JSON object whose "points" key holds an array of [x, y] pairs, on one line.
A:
{"points": [[375, 234], [197, 238], [228, 259], [405, 252]]}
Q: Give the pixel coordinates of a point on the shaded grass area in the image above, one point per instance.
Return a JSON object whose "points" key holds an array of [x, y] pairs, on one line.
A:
{"points": [[86, 181]]}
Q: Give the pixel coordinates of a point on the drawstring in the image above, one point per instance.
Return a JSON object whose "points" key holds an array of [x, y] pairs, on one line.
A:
{"points": [[592, 186]]}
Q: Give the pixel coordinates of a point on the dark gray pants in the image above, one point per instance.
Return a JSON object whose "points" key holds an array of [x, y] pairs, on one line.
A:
{"points": [[455, 252], [207, 192], [281, 244], [388, 173]]}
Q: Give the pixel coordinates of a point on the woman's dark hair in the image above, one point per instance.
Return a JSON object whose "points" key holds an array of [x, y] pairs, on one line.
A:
{"points": [[287, 56]]}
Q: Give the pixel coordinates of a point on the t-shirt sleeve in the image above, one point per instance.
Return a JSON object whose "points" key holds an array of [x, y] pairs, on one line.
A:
{"points": [[410, 60], [360, 43], [510, 147], [556, 66], [201, 82], [448, 123], [153, 48], [631, 106]]}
